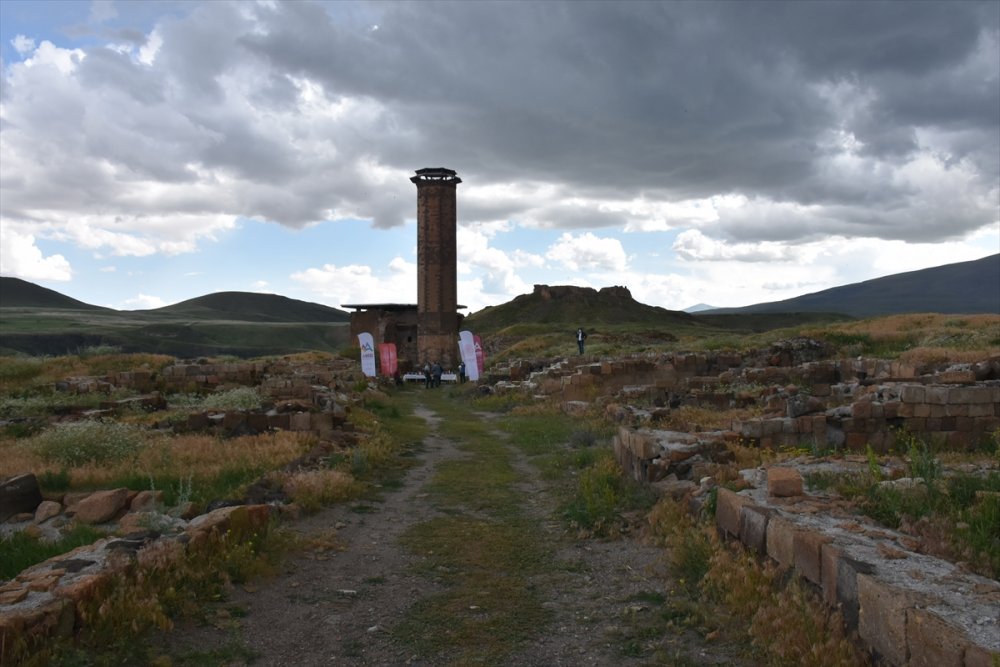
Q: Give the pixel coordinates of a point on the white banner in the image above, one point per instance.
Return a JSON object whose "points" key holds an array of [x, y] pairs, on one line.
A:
{"points": [[367, 353], [467, 346]]}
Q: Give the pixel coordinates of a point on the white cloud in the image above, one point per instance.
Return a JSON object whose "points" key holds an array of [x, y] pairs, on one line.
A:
{"points": [[358, 284], [588, 252], [143, 302], [22, 258], [23, 44]]}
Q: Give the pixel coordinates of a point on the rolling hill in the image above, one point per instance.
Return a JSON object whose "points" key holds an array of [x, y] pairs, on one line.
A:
{"points": [[254, 307], [962, 288], [17, 293], [38, 321]]}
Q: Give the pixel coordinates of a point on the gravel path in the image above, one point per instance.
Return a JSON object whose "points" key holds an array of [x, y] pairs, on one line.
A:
{"points": [[336, 602]]}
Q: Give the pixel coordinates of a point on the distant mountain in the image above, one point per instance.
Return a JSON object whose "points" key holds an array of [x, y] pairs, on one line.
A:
{"points": [[567, 306], [698, 307], [17, 293], [35, 320], [961, 288], [254, 307]]}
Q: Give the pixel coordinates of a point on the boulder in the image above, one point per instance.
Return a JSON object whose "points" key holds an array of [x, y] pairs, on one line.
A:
{"points": [[102, 506], [19, 494]]}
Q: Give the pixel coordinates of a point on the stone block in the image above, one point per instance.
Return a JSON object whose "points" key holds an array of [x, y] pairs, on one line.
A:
{"points": [[957, 377], [279, 421], [753, 527], [981, 410], [783, 482], [936, 395], [933, 642], [856, 442], [299, 421], [882, 610], [807, 546], [729, 506], [233, 420], [780, 541], [861, 410], [912, 393], [257, 422]]}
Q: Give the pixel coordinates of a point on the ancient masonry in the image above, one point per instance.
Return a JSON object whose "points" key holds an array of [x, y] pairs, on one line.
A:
{"points": [[427, 332], [437, 288]]}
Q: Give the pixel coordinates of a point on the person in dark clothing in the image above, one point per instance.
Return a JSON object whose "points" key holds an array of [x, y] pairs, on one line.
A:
{"points": [[436, 371], [581, 336], [461, 372], [427, 375]]}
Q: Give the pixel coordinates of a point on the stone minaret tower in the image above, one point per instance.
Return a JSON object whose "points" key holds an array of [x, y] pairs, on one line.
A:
{"points": [[437, 276]]}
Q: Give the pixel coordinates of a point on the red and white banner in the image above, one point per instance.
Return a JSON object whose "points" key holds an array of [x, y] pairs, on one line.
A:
{"points": [[467, 348], [367, 353], [387, 357]]}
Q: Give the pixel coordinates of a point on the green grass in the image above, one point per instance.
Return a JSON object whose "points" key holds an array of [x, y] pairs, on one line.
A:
{"points": [[964, 506], [20, 550]]}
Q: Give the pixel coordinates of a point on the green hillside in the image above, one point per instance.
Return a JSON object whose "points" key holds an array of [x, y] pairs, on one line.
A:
{"points": [[253, 307], [962, 288], [38, 321], [17, 293]]}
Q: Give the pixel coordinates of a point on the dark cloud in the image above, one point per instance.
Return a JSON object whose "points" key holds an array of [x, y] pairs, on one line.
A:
{"points": [[826, 116]]}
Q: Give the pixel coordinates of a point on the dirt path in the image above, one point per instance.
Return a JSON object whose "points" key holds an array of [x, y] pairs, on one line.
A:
{"points": [[336, 603]]}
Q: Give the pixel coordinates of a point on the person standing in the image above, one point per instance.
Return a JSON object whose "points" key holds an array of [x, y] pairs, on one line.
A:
{"points": [[461, 372], [581, 336], [436, 371], [427, 375]]}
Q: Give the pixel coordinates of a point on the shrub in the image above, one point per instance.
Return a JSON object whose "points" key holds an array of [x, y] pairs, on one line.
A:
{"points": [[90, 441], [240, 398], [20, 369]]}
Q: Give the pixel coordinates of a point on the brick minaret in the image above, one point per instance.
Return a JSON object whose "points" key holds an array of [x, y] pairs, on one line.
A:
{"points": [[437, 276]]}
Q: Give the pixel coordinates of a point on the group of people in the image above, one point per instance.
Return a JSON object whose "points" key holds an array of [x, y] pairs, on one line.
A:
{"points": [[433, 373]]}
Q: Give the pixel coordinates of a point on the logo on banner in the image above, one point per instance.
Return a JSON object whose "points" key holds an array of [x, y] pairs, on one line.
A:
{"points": [[367, 344], [480, 355]]}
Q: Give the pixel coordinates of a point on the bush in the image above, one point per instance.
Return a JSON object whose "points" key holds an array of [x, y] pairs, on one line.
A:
{"points": [[240, 398], [90, 441]]}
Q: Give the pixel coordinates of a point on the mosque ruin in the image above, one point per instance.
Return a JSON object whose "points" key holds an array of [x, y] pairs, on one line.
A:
{"points": [[427, 331]]}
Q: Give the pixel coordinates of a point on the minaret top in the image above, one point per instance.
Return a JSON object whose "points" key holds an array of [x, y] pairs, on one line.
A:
{"points": [[436, 174]]}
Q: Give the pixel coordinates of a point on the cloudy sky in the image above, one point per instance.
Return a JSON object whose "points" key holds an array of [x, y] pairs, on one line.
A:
{"points": [[694, 152]]}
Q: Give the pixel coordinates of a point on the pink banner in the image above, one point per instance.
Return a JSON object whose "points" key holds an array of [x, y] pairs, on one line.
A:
{"points": [[480, 357], [387, 356]]}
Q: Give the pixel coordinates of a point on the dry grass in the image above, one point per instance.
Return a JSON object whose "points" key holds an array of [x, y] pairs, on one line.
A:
{"points": [[314, 489], [918, 338], [692, 418], [199, 457], [786, 622], [18, 373]]}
